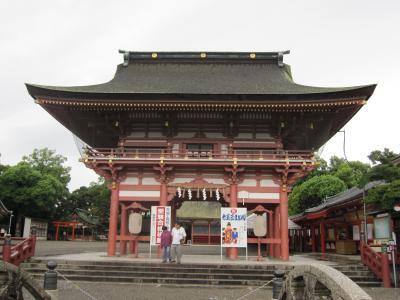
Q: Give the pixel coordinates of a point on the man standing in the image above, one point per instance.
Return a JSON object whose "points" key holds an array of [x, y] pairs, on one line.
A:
{"points": [[178, 238], [166, 240]]}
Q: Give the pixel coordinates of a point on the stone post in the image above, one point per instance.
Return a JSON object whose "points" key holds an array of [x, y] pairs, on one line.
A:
{"points": [[297, 288], [50, 277], [277, 283]]}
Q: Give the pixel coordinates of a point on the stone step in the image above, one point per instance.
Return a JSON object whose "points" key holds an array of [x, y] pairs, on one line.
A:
{"points": [[357, 273], [153, 268], [185, 274], [135, 264], [158, 275], [351, 267], [162, 281]]}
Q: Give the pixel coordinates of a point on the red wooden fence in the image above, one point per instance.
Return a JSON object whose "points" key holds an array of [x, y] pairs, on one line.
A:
{"points": [[16, 254], [376, 262]]}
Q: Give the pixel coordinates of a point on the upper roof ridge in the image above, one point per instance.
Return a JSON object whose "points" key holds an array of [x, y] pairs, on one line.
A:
{"points": [[277, 57]]}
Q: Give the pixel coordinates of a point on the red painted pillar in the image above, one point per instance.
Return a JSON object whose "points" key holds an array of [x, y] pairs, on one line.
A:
{"points": [[33, 245], [7, 248], [73, 232], [385, 270], [57, 227], [277, 247], [209, 232], [323, 243], [270, 233], [163, 202], [233, 252], [112, 228], [132, 247], [313, 245], [163, 194], [284, 219], [123, 230]]}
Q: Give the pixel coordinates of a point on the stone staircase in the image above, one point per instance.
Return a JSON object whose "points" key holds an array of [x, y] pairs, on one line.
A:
{"points": [[182, 275], [360, 274], [165, 274]]}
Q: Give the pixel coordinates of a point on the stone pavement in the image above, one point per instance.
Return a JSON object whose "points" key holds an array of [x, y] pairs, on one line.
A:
{"points": [[106, 291], [150, 292], [186, 259]]}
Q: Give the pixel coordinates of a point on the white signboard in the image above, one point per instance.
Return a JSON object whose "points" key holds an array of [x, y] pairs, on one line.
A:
{"points": [[233, 227], [160, 216]]}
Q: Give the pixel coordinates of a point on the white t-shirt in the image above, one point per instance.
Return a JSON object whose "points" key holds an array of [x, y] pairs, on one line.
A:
{"points": [[178, 235]]}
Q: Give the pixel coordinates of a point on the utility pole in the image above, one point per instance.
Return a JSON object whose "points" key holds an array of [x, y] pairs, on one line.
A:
{"points": [[9, 225], [365, 218]]}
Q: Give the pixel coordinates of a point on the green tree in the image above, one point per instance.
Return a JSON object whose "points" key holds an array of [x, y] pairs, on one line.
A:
{"points": [[94, 198], [26, 191], [383, 157], [313, 192], [3, 168], [385, 196], [350, 172], [48, 162]]}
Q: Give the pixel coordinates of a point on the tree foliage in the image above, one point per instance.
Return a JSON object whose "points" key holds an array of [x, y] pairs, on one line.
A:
{"points": [[94, 198], [25, 190], [46, 161], [383, 157], [350, 172], [313, 192], [385, 196]]}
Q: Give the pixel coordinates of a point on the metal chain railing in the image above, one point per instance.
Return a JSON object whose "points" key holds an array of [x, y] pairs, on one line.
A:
{"points": [[87, 294], [253, 291]]}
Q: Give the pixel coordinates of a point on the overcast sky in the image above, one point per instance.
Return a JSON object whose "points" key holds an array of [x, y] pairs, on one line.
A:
{"points": [[332, 43]]}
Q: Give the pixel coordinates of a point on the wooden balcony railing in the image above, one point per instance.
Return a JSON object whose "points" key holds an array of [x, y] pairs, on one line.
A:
{"points": [[19, 252], [376, 262], [282, 156]]}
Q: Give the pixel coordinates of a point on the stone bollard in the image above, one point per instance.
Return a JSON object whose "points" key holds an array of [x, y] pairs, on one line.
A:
{"points": [[50, 277], [277, 283]]}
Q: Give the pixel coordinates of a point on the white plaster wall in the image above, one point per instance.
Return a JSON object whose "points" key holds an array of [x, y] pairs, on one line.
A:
{"points": [[215, 180], [248, 182], [263, 195], [149, 181], [182, 180], [268, 183], [139, 193], [131, 180]]}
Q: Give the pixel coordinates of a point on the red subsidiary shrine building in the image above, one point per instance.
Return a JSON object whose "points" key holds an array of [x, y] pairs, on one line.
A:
{"points": [[227, 127]]}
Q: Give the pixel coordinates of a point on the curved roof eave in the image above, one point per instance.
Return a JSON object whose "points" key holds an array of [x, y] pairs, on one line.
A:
{"points": [[93, 92]]}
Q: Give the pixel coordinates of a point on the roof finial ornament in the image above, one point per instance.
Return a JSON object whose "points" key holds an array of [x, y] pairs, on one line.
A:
{"points": [[280, 59], [126, 59]]}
